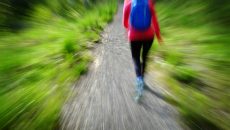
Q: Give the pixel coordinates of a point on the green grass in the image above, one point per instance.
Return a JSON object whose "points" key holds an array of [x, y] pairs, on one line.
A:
{"points": [[195, 62], [39, 64]]}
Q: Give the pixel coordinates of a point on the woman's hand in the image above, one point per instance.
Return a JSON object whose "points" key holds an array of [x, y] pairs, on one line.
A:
{"points": [[160, 41]]}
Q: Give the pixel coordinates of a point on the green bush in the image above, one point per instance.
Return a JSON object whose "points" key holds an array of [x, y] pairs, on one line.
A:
{"points": [[196, 58], [40, 63], [184, 74]]}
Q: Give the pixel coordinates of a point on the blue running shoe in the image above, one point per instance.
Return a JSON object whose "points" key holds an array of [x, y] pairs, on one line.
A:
{"points": [[137, 98], [139, 88], [140, 83]]}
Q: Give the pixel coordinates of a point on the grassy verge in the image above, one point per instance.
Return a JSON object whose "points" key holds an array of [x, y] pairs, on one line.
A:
{"points": [[194, 62], [39, 64]]}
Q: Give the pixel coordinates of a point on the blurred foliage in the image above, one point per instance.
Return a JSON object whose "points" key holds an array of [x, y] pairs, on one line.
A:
{"points": [[195, 59], [39, 63], [14, 12]]}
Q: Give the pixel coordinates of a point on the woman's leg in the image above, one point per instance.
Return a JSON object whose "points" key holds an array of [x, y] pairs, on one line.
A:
{"points": [[136, 50], [146, 47]]}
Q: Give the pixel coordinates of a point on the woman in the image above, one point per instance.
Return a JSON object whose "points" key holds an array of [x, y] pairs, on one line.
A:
{"points": [[140, 39]]}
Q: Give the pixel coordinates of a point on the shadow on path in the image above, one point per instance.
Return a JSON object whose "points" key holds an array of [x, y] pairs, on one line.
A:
{"points": [[158, 95]]}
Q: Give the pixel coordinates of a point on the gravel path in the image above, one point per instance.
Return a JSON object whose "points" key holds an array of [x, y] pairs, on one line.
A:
{"points": [[104, 96]]}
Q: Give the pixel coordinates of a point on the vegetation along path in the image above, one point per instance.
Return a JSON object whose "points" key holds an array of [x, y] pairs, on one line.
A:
{"points": [[104, 96]]}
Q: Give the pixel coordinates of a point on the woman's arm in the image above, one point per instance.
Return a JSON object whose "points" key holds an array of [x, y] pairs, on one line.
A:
{"points": [[155, 23], [126, 13]]}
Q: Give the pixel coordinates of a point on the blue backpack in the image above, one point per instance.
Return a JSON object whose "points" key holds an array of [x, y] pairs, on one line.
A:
{"points": [[140, 16]]}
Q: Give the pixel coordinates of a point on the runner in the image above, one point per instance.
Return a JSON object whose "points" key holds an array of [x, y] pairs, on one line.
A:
{"points": [[140, 20]]}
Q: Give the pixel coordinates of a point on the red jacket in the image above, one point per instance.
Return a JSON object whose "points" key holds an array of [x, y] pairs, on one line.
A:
{"points": [[135, 35]]}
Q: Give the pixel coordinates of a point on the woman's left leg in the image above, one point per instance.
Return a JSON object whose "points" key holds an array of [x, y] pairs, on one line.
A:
{"points": [[135, 47]]}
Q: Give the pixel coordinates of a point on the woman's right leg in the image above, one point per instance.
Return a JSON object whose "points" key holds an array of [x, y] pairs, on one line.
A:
{"points": [[146, 47]]}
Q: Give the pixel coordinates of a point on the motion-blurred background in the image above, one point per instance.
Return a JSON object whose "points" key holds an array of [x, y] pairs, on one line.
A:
{"points": [[194, 63], [44, 48]]}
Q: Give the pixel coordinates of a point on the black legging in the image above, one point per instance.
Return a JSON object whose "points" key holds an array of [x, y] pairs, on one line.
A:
{"points": [[136, 51]]}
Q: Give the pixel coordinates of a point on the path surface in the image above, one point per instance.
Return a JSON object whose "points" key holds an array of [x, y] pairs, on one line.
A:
{"points": [[104, 99]]}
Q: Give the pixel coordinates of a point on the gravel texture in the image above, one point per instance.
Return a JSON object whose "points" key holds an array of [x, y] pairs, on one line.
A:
{"points": [[103, 99]]}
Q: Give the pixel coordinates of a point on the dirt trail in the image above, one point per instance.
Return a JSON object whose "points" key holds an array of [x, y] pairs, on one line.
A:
{"points": [[105, 94]]}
